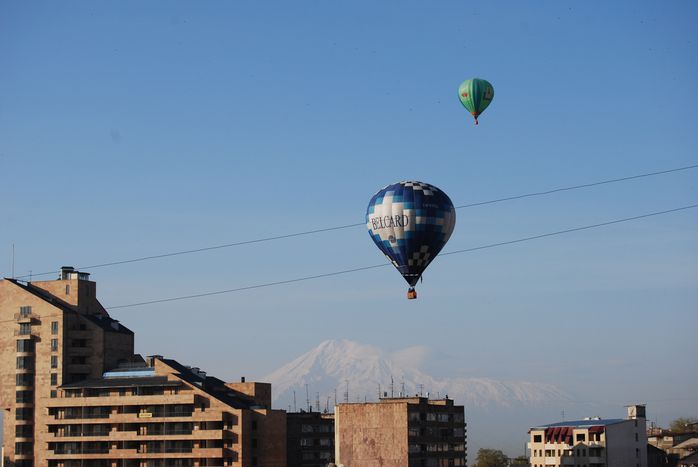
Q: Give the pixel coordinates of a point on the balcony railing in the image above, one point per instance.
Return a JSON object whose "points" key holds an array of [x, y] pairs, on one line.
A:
{"points": [[26, 317], [31, 333]]}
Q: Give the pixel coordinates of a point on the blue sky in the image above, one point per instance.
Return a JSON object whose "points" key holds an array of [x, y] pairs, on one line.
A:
{"points": [[137, 128]]}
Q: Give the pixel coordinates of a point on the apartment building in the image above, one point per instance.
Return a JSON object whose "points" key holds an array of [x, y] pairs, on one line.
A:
{"points": [[309, 439], [74, 393], [164, 414], [592, 442], [51, 333], [400, 432]]}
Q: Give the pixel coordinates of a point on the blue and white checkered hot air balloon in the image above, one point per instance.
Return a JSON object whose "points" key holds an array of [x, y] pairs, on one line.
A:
{"points": [[410, 222]]}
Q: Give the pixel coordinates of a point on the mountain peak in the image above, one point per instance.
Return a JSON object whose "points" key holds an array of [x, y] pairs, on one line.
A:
{"points": [[340, 366]]}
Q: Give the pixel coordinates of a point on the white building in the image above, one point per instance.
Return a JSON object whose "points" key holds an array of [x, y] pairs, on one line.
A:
{"points": [[592, 442]]}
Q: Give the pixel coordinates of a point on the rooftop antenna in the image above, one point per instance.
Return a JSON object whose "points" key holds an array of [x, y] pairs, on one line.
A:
{"points": [[421, 390], [317, 401], [379, 391], [402, 387], [295, 409], [307, 398], [30, 275], [335, 396], [346, 393], [392, 389]]}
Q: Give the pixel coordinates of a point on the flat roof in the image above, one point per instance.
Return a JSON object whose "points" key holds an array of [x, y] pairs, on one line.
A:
{"points": [[581, 423], [104, 383]]}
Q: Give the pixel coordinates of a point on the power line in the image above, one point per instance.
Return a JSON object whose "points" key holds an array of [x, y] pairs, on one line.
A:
{"points": [[347, 226], [375, 266]]}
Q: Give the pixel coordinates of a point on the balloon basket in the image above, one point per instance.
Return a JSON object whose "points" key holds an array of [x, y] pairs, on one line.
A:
{"points": [[411, 294]]}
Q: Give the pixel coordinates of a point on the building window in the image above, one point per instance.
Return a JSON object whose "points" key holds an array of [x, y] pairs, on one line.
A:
{"points": [[581, 437], [25, 311], [24, 363], [538, 438], [24, 379], [54, 345], [25, 328], [54, 379], [23, 413], [637, 437], [24, 448], [24, 396], [24, 431], [54, 394], [54, 361], [637, 452], [25, 345], [67, 289], [54, 327]]}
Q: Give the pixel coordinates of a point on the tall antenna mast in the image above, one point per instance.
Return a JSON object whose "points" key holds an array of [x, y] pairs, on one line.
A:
{"points": [[392, 389], [421, 390], [317, 401], [295, 409], [346, 393], [307, 398], [402, 388]]}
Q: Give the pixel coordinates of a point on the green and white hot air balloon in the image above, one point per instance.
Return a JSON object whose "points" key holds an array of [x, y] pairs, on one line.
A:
{"points": [[475, 95]]}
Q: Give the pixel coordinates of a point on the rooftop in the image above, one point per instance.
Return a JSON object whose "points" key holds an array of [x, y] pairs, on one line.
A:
{"points": [[581, 423]]}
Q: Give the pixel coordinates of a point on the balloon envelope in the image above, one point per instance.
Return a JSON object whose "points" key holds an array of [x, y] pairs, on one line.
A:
{"points": [[475, 95], [410, 222]]}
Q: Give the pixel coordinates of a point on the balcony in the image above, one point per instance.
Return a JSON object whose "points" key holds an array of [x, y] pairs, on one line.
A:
{"points": [[26, 317], [22, 333]]}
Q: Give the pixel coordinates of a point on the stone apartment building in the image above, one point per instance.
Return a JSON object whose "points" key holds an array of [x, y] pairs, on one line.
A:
{"points": [[592, 442], [74, 394], [400, 432]]}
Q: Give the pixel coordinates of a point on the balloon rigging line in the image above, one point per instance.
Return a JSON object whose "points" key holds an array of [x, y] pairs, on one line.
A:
{"points": [[346, 226], [375, 266]]}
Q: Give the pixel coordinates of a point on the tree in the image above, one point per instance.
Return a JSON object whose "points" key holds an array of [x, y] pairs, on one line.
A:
{"points": [[683, 424], [491, 458]]}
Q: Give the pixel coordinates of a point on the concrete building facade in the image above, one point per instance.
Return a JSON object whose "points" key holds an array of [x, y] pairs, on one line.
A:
{"points": [[309, 439], [592, 442], [400, 432]]}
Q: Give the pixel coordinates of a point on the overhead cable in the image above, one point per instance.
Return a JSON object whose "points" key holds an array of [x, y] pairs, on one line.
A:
{"points": [[347, 226], [375, 266]]}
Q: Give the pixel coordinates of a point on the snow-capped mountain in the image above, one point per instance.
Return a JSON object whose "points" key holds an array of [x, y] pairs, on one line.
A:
{"points": [[341, 365]]}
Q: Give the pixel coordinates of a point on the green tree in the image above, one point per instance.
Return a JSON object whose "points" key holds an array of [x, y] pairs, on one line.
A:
{"points": [[491, 458], [682, 425]]}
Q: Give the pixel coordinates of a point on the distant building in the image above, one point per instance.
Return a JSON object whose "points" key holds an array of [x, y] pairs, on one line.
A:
{"points": [[689, 461], [658, 458], [309, 439], [594, 442], [400, 432], [74, 394], [676, 444]]}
